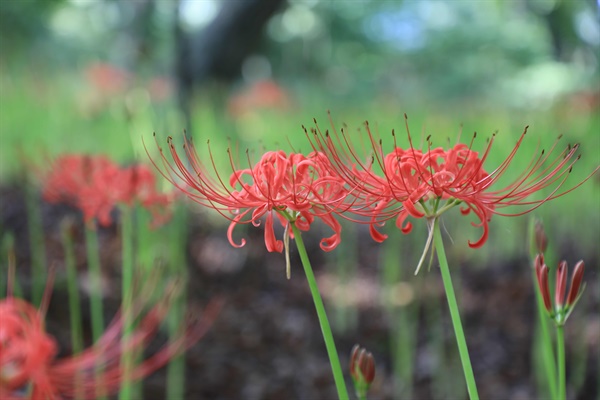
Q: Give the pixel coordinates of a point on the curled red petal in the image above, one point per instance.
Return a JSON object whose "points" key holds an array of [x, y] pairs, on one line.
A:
{"points": [[405, 228], [376, 235], [232, 225], [410, 207], [273, 245], [330, 243]]}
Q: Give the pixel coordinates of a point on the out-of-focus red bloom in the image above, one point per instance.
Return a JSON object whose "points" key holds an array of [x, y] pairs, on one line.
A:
{"points": [[96, 185], [291, 187], [419, 183], [107, 78], [263, 94], [27, 353]]}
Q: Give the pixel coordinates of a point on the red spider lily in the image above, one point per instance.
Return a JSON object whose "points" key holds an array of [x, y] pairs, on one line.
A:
{"points": [[294, 187], [96, 185], [27, 353], [427, 183]]}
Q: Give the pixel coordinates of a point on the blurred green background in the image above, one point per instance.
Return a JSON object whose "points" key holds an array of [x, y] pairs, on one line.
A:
{"points": [[98, 76]]}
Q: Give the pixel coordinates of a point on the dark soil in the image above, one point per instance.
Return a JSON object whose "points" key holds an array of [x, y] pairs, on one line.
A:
{"points": [[266, 342]]}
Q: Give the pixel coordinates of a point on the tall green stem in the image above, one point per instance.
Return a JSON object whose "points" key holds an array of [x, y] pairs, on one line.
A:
{"points": [[560, 358], [95, 277], [37, 245], [323, 321], [74, 302], [176, 369], [454, 314], [127, 263], [546, 343]]}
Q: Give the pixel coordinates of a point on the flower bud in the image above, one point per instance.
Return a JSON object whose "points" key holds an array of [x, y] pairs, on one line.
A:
{"points": [[362, 366], [541, 240], [542, 278], [561, 285], [576, 279]]}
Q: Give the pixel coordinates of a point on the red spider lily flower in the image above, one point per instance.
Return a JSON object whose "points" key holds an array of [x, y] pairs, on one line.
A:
{"points": [[290, 187], [96, 185], [420, 183], [27, 353]]}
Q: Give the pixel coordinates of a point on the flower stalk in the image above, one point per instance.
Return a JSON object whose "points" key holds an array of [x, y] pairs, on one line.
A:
{"points": [[334, 360], [454, 313]]}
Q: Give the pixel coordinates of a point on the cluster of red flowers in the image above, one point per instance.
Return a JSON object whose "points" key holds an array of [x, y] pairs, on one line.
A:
{"points": [[96, 185], [333, 180], [28, 364]]}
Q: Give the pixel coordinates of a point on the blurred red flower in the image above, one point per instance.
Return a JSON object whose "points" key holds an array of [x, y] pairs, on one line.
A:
{"points": [[263, 94], [96, 185], [27, 352]]}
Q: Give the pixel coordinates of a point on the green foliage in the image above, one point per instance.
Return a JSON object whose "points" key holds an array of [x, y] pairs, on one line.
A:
{"points": [[23, 21]]}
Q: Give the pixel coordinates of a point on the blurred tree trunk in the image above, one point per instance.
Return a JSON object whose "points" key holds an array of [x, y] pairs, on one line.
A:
{"points": [[218, 51], [560, 22]]}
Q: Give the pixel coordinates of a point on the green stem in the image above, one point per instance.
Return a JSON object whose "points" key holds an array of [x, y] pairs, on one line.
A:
{"points": [[454, 314], [560, 358], [127, 263], [176, 368], [74, 302], [545, 346], [95, 278], [546, 343], [323, 321], [36, 240]]}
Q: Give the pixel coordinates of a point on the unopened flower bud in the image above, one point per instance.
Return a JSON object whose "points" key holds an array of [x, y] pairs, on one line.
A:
{"points": [[542, 278], [561, 285], [541, 240], [538, 262], [362, 368], [576, 279]]}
